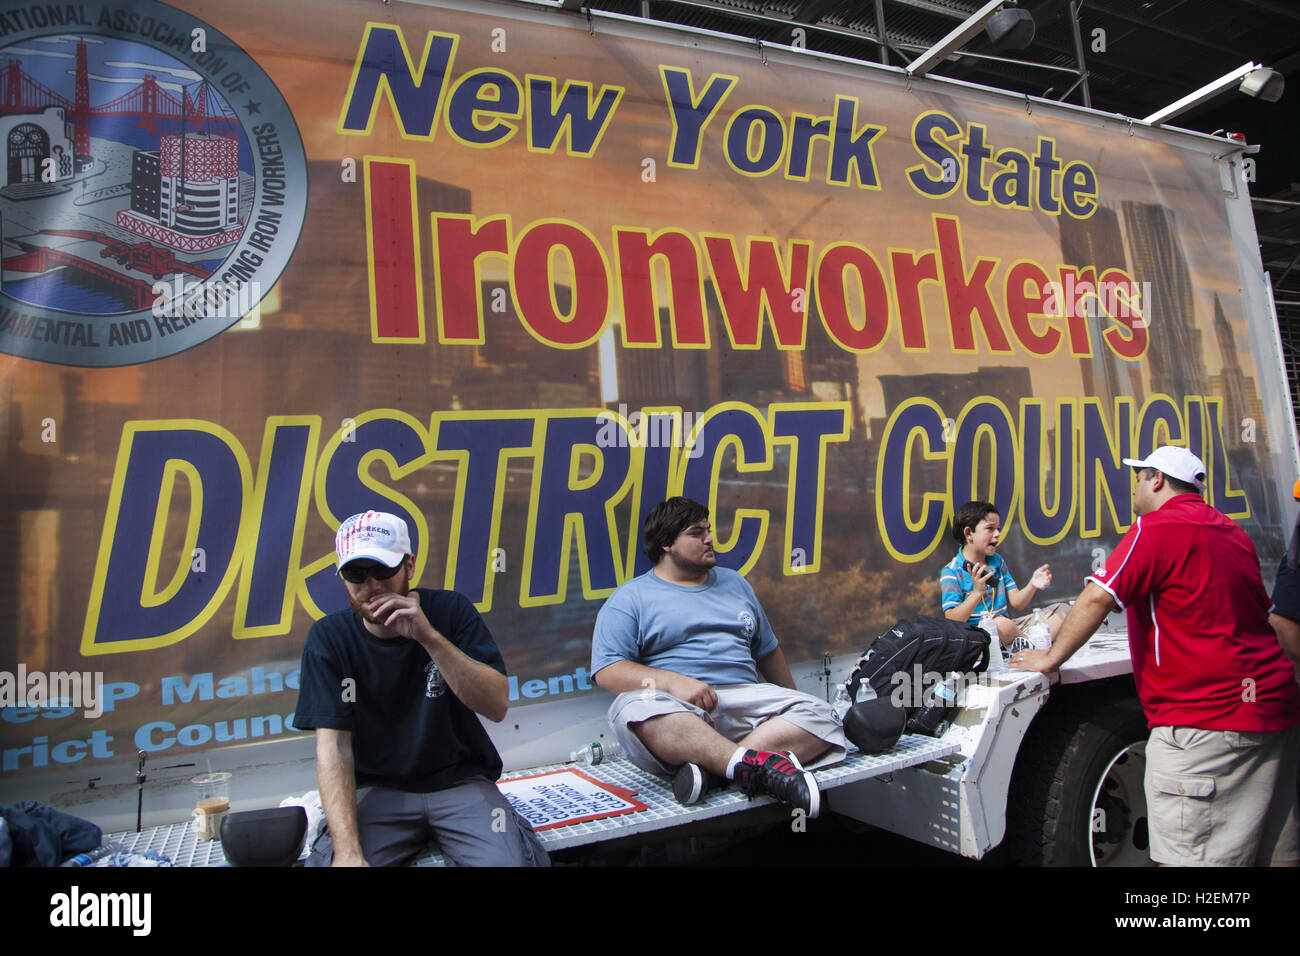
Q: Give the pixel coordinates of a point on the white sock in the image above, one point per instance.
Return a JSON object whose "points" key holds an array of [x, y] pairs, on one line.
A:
{"points": [[735, 761]]}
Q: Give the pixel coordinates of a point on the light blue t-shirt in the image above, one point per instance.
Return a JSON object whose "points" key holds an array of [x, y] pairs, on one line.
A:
{"points": [[712, 632]]}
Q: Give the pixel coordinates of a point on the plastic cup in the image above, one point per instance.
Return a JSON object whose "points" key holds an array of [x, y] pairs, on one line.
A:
{"points": [[212, 786]]}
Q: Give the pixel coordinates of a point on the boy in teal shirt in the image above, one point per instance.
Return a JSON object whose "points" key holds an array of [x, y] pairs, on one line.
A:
{"points": [[977, 580]]}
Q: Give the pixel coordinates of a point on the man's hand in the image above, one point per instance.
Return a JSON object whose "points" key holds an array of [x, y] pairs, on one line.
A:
{"points": [[1031, 660], [349, 860], [402, 613], [1042, 578], [693, 692], [1088, 613], [479, 687], [623, 677]]}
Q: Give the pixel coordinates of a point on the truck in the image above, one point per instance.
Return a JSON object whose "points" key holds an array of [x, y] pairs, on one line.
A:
{"points": [[517, 273]]}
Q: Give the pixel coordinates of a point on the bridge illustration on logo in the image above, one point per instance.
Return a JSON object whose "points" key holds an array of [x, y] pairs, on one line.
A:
{"points": [[192, 181]]}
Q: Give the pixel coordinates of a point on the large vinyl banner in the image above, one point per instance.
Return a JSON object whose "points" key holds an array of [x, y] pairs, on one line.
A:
{"points": [[517, 278]]}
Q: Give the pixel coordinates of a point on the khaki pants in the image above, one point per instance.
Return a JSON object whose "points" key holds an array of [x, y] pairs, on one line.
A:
{"points": [[1222, 797]]}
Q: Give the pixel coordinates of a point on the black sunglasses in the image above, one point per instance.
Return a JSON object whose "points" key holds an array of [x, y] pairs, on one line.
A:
{"points": [[356, 575]]}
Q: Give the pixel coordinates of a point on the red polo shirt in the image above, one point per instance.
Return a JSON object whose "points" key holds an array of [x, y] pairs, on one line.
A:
{"points": [[1203, 652]]}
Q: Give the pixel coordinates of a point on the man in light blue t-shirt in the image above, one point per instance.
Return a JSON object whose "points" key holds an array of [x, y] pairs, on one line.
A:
{"points": [[704, 692]]}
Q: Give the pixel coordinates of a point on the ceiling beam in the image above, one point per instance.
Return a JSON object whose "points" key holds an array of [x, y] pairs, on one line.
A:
{"points": [[938, 8], [1078, 53], [1277, 9], [1219, 48], [775, 22], [1105, 76], [812, 12], [995, 58], [880, 31]]}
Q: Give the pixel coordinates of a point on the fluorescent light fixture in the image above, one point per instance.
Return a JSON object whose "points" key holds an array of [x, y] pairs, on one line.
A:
{"points": [[1268, 84], [954, 40], [1265, 84]]}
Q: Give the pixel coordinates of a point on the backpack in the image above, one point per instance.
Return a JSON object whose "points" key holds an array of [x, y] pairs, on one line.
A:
{"points": [[935, 646]]}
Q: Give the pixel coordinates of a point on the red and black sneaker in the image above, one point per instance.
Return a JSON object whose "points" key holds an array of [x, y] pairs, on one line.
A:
{"points": [[777, 775]]}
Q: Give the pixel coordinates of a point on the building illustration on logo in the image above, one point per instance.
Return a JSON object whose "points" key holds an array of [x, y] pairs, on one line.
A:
{"points": [[42, 144], [98, 202], [35, 143], [185, 194]]}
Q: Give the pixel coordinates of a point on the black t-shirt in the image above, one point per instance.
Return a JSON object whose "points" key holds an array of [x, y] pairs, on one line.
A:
{"points": [[409, 731], [1286, 591], [1286, 586]]}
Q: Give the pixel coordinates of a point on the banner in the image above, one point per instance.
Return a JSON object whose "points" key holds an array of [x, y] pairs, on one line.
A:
{"points": [[518, 279]]}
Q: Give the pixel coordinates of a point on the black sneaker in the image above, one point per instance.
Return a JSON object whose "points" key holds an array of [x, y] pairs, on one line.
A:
{"points": [[691, 783], [778, 775]]}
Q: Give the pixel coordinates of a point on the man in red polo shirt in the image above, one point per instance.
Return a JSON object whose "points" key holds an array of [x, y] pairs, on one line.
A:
{"points": [[1220, 695]]}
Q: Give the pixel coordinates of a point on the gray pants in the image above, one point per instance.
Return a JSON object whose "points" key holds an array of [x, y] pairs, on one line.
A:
{"points": [[472, 822]]}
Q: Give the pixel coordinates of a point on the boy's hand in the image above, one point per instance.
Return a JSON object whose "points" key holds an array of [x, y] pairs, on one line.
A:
{"points": [[982, 575]]}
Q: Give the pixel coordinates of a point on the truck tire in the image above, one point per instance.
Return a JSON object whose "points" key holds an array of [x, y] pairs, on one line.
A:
{"points": [[1076, 795]]}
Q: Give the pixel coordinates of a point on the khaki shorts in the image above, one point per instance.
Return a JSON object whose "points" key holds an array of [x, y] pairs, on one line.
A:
{"points": [[1222, 797], [741, 708]]}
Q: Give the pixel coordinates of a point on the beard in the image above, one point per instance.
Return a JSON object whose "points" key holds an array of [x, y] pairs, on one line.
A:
{"points": [[358, 604], [690, 567]]}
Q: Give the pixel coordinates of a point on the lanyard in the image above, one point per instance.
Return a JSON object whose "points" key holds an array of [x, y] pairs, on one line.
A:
{"points": [[990, 592]]}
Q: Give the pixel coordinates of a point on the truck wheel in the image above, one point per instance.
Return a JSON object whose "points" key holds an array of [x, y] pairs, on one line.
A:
{"points": [[1076, 793]]}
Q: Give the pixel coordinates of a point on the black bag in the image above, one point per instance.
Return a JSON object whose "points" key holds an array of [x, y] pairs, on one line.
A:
{"points": [[935, 645], [43, 836]]}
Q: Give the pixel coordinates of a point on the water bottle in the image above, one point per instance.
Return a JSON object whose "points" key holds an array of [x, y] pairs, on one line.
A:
{"points": [[90, 856], [842, 702], [865, 692], [1038, 634], [938, 705], [997, 663], [597, 753]]}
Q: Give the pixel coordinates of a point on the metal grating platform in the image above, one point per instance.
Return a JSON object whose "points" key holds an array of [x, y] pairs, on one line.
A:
{"points": [[663, 811], [177, 841]]}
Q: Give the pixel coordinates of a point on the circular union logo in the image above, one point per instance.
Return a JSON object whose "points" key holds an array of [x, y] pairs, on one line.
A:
{"points": [[152, 188], [747, 622]]}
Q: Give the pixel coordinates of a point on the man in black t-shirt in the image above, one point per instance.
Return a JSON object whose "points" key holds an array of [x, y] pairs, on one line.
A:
{"points": [[392, 688]]}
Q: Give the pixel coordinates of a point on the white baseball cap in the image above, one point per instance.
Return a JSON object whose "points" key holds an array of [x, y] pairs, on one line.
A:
{"points": [[1175, 462], [376, 535]]}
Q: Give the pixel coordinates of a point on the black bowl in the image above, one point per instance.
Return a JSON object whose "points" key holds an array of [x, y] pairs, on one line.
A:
{"points": [[264, 837], [875, 725]]}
